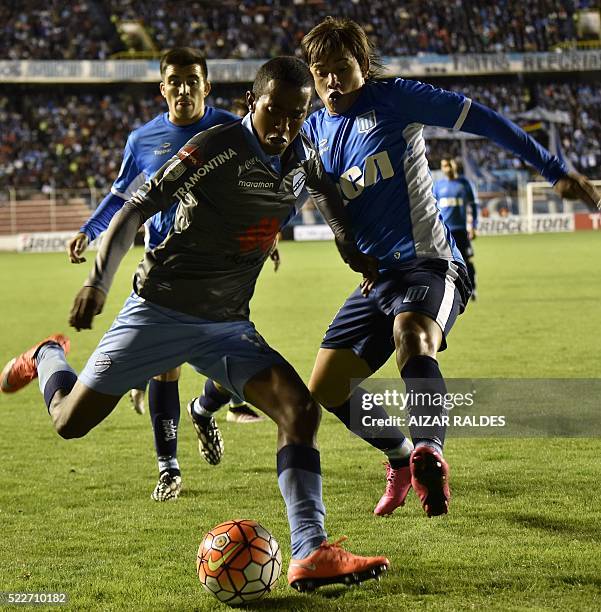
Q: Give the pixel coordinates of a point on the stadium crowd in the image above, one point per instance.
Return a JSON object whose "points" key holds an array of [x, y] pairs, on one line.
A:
{"points": [[75, 140], [88, 29]]}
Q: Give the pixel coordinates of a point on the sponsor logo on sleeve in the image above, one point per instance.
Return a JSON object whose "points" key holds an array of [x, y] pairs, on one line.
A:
{"points": [[174, 171], [190, 155]]}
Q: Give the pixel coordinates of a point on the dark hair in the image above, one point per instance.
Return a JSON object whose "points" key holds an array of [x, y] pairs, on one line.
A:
{"points": [[333, 35], [285, 68], [184, 56]]}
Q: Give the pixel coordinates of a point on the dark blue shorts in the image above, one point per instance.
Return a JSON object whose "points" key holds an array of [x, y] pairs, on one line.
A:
{"points": [[437, 288]]}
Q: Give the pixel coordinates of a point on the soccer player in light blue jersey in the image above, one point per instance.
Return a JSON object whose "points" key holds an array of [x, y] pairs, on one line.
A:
{"points": [[371, 144], [184, 86], [459, 209]]}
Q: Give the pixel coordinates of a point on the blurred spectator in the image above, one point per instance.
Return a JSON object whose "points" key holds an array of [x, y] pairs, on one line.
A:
{"points": [[73, 140], [51, 29], [87, 29]]}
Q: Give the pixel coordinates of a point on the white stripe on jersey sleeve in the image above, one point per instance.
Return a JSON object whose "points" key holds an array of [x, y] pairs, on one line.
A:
{"points": [[137, 182], [464, 111], [429, 235]]}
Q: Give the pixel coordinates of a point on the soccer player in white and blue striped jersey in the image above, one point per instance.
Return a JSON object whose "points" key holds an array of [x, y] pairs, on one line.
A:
{"points": [[371, 144]]}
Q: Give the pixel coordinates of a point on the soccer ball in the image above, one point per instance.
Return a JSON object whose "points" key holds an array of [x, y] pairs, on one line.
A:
{"points": [[238, 561]]}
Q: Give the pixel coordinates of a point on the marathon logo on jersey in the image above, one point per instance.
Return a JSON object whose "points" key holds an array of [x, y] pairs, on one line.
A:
{"points": [[298, 182], [366, 122], [215, 162], [190, 156], [164, 148], [417, 293], [255, 184], [102, 364]]}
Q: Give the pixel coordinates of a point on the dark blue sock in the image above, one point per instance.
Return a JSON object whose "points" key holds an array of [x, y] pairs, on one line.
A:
{"points": [[423, 378], [384, 438], [63, 379], [163, 404], [299, 478], [54, 373], [213, 398]]}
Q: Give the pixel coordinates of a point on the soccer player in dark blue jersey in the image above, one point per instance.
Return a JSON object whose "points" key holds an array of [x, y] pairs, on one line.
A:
{"points": [[371, 144], [184, 86], [459, 209], [237, 183]]}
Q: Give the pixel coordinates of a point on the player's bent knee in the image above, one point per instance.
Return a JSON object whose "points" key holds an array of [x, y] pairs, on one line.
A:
{"points": [[299, 421], [416, 336], [328, 396], [335, 374], [76, 413]]}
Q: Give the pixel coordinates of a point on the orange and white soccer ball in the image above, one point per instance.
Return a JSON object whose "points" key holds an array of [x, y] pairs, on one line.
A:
{"points": [[238, 561]]}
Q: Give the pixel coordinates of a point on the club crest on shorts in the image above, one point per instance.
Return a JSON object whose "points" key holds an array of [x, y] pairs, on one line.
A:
{"points": [[103, 363], [417, 293], [366, 122]]}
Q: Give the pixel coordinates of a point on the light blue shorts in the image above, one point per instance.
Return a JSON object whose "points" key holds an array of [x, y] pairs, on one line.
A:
{"points": [[146, 339]]}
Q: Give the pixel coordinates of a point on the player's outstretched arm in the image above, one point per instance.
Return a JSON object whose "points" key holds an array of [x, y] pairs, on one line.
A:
{"points": [[155, 195], [575, 186], [120, 236], [572, 186]]}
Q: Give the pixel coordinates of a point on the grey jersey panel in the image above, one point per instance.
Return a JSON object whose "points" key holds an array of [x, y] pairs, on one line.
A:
{"points": [[231, 208]]}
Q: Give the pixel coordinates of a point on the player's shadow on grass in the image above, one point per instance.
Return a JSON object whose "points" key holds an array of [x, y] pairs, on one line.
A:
{"points": [[586, 530]]}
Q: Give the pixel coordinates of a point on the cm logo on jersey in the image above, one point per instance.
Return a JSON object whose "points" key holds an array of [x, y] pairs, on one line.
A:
{"points": [[377, 168]]}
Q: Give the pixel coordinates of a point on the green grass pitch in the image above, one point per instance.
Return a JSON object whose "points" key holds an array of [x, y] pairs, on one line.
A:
{"points": [[524, 527]]}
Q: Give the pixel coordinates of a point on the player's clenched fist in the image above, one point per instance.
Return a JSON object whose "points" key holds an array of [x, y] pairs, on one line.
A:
{"points": [[87, 304], [575, 186], [76, 246]]}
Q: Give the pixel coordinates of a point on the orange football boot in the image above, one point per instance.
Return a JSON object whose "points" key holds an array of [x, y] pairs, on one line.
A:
{"points": [[21, 370], [332, 564]]}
